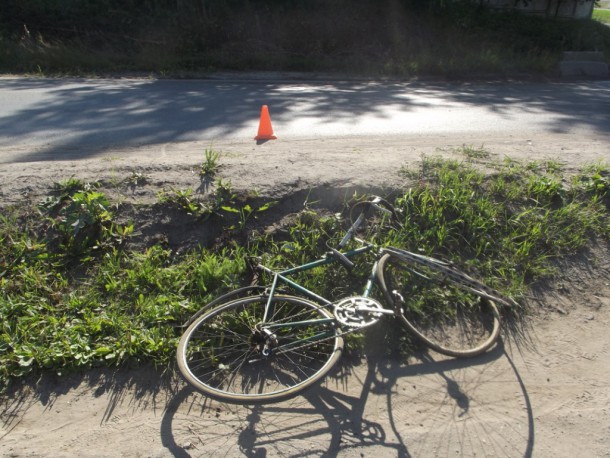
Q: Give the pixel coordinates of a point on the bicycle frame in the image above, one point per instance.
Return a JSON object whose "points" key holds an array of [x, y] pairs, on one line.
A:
{"points": [[229, 349], [281, 276]]}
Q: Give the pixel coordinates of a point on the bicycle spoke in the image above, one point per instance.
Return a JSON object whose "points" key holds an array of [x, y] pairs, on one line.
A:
{"points": [[230, 354], [443, 313]]}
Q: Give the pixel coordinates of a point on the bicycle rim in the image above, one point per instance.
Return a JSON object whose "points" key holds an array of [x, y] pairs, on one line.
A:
{"points": [[222, 352], [446, 316]]}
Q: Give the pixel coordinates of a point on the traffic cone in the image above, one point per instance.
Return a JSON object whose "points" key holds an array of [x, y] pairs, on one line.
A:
{"points": [[265, 131]]}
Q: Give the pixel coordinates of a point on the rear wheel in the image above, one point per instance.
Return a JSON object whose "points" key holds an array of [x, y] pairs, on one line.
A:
{"points": [[447, 316], [234, 354]]}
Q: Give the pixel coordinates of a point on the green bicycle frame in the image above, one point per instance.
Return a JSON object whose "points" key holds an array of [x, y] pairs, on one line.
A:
{"points": [[282, 277]]}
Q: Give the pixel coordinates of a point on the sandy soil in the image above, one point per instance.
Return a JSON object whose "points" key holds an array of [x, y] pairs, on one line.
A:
{"points": [[544, 391]]}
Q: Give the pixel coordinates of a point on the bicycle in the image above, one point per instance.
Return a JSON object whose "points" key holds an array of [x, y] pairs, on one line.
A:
{"points": [[261, 344]]}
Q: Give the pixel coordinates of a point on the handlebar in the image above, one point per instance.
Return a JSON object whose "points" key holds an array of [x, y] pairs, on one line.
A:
{"points": [[376, 203]]}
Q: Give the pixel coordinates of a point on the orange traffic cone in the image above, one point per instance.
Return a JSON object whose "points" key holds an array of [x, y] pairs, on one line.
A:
{"points": [[265, 131]]}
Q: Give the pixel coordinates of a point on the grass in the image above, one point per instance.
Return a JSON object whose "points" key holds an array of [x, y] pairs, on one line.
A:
{"points": [[74, 295], [210, 165], [517, 220], [601, 15], [472, 152], [184, 200], [391, 38]]}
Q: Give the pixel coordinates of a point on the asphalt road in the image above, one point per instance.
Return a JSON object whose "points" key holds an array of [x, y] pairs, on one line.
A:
{"points": [[60, 118]]}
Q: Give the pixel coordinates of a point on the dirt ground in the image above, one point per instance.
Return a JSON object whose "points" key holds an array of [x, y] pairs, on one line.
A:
{"points": [[543, 392]]}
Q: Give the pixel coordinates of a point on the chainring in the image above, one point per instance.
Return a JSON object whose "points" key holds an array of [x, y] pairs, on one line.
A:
{"points": [[357, 311]]}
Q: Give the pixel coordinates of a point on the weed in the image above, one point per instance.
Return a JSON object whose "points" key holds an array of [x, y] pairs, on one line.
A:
{"points": [[137, 179], [522, 217], [223, 199], [245, 213], [182, 199], [209, 166], [70, 186], [474, 153], [124, 305], [82, 218], [596, 179], [224, 194]]}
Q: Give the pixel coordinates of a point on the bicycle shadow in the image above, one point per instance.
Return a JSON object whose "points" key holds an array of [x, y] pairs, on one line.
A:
{"points": [[427, 407]]}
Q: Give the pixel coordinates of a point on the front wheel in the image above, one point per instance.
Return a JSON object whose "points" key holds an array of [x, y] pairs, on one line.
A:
{"points": [[449, 317], [249, 351]]}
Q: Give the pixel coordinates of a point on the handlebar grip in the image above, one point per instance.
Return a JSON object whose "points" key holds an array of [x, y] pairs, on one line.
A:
{"points": [[349, 265]]}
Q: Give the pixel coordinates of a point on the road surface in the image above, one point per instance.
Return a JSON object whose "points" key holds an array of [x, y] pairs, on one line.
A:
{"points": [[55, 119]]}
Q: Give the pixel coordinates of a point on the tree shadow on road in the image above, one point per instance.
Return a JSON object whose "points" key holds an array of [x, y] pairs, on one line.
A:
{"points": [[76, 119]]}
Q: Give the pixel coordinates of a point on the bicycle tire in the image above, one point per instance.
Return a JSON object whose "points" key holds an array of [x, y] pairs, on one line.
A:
{"points": [[220, 354], [449, 317], [227, 297]]}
